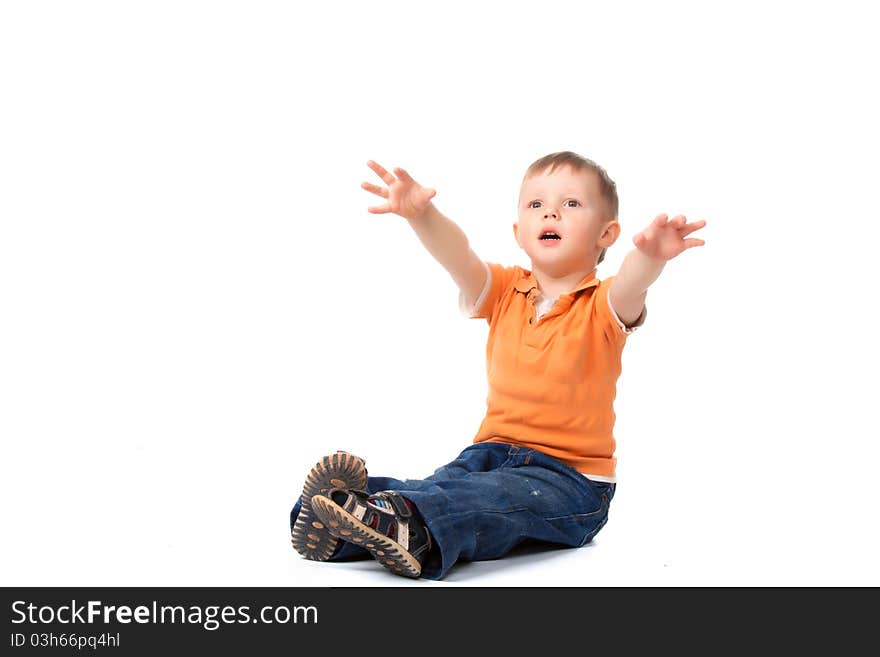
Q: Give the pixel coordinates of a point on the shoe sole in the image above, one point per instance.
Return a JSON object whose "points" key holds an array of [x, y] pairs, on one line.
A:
{"points": [[345, 526], [309, 536]]}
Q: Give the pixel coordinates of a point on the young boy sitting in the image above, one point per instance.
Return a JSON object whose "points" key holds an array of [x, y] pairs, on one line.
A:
{"points": [[542, 465]]}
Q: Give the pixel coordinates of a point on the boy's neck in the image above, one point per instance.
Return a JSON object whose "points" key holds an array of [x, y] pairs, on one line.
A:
{"points": [[554, 286]]}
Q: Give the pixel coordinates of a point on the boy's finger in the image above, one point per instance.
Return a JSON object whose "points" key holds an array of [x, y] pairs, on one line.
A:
{"points": [[383, 174], [687, 230], [403, 175], [379, 209], [375, 189], [660, 219]]}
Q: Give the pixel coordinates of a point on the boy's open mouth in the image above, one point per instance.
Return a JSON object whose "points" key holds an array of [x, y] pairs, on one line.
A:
{"points": [[549, 235]]}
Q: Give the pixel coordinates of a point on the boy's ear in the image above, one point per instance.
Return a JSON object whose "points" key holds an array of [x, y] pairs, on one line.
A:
{"points": [[609, 235], [516, 233]]}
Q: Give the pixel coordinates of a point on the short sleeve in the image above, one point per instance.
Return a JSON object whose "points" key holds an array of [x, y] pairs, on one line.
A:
{"points": [[612, 326], [498, 279]]}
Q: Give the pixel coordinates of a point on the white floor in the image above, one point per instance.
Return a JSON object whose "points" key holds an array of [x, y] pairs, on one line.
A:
{"points": [[207, 529], [645, 546]]}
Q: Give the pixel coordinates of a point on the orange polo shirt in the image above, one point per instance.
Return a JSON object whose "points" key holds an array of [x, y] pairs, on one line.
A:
{"points": [[552, 380]]}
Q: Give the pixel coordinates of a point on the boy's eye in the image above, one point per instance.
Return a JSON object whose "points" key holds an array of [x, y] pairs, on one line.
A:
{"points": [[575, 201]]}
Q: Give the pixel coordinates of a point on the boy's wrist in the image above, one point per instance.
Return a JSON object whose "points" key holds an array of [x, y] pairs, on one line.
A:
{"points": [[648, 260], [639, 270], [427, 214]]}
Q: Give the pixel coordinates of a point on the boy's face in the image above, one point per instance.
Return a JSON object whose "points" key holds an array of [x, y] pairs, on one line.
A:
{"points": [[570, 204]]}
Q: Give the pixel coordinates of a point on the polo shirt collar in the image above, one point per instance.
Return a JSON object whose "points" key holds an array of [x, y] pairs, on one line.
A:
{"points": [[528, 282]]}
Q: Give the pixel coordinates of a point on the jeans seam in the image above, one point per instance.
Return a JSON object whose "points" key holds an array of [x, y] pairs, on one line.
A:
{"points": [[505, 464], [603, 508], [475, 511], [578, 515]]}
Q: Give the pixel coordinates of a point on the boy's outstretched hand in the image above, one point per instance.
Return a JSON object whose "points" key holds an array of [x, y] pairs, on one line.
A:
{"points": [[664, 239], [405, 196]]}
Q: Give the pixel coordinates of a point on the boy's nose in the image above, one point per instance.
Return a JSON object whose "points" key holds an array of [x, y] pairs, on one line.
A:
{"points": [[550, 215]]}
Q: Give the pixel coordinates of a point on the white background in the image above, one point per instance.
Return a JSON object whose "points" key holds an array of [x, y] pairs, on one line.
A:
{"points": [[195, 304]]}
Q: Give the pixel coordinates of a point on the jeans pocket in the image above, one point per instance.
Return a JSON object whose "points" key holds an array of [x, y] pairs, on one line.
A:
{"points": [[595, 521], [580, 528], [604, 491]]}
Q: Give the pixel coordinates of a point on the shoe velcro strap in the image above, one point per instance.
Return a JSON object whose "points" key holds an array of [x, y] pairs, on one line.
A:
{"points": [[401, 508]]}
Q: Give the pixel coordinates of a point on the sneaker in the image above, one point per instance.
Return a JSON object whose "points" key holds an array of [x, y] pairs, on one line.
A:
{"points": [[385, 524], [309, 536]]}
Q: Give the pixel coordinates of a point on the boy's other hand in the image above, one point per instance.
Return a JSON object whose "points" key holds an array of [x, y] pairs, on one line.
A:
{"points": [[664, 239], [405, 196]]}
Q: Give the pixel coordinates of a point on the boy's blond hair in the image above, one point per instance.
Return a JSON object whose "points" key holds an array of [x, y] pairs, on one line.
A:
{"points": [[578, 163]]}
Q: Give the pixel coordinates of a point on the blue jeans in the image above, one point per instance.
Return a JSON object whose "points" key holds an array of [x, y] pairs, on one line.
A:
{"points": [[493, 497]]}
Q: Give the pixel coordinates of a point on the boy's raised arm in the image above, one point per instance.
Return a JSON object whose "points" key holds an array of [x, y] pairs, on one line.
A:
{"points": [[440, 235], [661, 241], [449, 246]]}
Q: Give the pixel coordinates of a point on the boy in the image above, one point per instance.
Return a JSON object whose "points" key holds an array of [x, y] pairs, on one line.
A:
{"points": [[542, 465]]}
